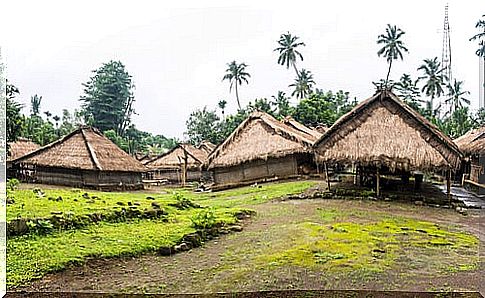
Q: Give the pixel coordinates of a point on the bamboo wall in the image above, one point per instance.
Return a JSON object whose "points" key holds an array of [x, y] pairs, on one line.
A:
{"points": [[256, 170], [173, 175]]}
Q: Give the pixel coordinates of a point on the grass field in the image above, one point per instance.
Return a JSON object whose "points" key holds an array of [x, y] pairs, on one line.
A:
{"points": [[32, 256]]}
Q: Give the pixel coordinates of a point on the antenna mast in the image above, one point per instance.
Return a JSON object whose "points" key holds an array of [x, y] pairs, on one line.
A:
{"points": [[446, 51]]}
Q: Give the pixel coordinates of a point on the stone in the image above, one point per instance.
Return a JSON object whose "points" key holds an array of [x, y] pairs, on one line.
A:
{"points": [[10, 201], [419, 203], [56, 212], [165, 251], [59, 199], [120, 203], [137, 203], [130, 204], [155, 205], [150, 198], [236, 228]]}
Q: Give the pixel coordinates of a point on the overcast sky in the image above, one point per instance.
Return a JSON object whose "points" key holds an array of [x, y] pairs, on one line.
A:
{"points": [[177, 51]]}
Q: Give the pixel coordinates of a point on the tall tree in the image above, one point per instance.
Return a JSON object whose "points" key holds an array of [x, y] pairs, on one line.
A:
{"points": [[282, 104], [35, 105], [203, 125], [303, 84], [456, 95], [222, 105], [480, 37], [287, 49], [408, 90], [393, 46], [108, 98], [236, 74], [14, 119], [434, 82]]}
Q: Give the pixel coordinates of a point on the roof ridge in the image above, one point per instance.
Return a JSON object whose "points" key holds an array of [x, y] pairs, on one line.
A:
{"points": [[91, 151]]}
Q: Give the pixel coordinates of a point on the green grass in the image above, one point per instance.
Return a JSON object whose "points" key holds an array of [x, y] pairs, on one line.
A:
{"points": [[33, 256], [29, 205]]}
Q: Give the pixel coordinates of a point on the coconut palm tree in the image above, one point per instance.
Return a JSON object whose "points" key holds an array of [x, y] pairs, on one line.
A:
{"points": [[236, 74], [303, 84], [435, 80], [480, 37], [393, 46], [287, 49], [282, 104], [456, 96], [222, 105]]}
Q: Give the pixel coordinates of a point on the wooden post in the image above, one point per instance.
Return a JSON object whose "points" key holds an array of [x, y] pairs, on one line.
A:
{"points": [[378, 178], [326, 176], [448, 185], [354, 171]]}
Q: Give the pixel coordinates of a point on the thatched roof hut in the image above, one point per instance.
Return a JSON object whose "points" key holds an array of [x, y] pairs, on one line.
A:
{"points": [[170, 164], [384, 131], [21, 147], [262, 147], [473, 142], [83, 158]]}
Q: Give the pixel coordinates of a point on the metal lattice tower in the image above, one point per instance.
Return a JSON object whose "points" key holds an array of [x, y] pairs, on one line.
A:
{"points": [[446, 52]]}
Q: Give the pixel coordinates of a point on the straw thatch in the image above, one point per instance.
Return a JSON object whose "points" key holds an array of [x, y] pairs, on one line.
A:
{"points": [[84, 149], [174, 158], [289, 121], [207, 146], [384, 131], [21, 147], [473, 142], [261, 137]]}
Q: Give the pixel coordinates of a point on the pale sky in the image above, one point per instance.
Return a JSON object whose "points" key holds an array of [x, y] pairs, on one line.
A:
{"points": [[177, 51]]}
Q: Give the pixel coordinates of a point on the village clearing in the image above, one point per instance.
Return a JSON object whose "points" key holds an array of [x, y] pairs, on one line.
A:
{"points": [[287, 244]]}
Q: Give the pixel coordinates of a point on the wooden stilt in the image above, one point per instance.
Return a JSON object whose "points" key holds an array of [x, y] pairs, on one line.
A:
{"points": [[326, 175], [448, 185], [378, 178]]}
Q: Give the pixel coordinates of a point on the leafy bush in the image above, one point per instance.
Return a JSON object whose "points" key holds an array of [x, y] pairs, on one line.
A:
{"points": [[183, 203], [12, 184], [40, 226], [204, 219]]}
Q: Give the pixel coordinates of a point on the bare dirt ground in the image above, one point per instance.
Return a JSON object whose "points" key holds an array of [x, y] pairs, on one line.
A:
{"points": [[227, 264]]}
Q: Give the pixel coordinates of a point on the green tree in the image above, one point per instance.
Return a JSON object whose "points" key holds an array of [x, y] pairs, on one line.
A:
{"points": [[236, 74], [393, 46], [408, 91], [203, 125], [282, 104], [458, 123], [303, 84], [230, 123], [323, 108], [261, 104], [222, 105], [287, 49], [480, 37], [108, 98], [456, 95], [35, 105], [434, 82], [14, 119]]}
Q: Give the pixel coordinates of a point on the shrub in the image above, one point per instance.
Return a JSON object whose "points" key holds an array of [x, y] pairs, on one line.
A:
{"points": [[204, 219], [12, 184]]}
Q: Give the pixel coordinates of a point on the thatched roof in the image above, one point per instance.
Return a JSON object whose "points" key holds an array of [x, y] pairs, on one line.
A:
{"points": [[383, 130], [260, 136], [174, 158], [206, 146], [473, 142], [320, 128], [85, 149], [298, 126], [21, 147]]}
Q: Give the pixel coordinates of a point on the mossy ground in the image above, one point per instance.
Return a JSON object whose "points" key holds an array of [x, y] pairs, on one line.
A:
{"points": [[32, 256]]}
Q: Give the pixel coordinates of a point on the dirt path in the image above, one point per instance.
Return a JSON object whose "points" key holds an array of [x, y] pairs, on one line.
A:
{"points": [[227, 264]]}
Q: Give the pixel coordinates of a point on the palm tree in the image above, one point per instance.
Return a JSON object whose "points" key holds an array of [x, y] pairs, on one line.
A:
{"points": [[456, 96], [303, 84], [393, 47], [287, 49], [282, 104], [236, 74], [481, 37], [222, 105], [35, 105], [435, 80]]}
